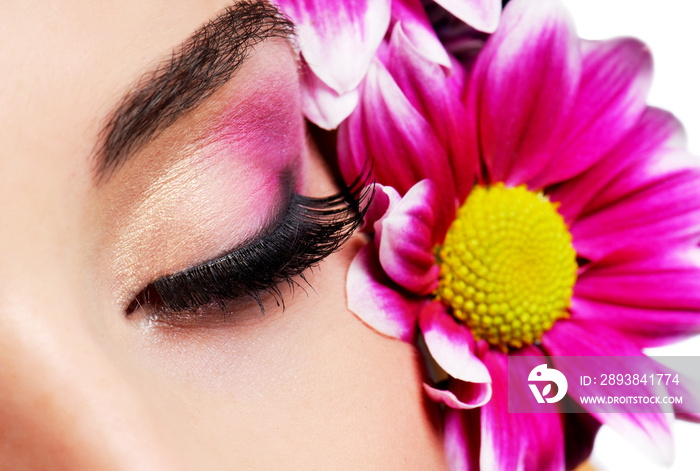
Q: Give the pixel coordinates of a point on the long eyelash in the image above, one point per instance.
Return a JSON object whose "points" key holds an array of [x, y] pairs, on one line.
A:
{"points": [[312, 229]]}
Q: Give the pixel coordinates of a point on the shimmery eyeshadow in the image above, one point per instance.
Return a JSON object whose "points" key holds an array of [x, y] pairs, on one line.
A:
{"points": [[217, 178], [263, 128]]}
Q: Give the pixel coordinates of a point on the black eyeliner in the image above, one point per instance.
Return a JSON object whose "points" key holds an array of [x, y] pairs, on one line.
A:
{"points": [[310, 230]]}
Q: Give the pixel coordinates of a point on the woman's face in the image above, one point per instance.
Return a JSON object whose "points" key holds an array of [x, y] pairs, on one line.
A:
{"points": [[122, 162]]}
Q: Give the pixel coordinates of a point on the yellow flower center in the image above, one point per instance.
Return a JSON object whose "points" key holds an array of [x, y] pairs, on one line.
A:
{"points": [[507, 266]]}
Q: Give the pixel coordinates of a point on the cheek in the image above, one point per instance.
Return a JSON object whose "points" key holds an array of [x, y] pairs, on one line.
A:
{"points": [[311, 385]]}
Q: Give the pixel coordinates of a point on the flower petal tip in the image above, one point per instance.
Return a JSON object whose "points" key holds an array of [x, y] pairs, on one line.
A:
{"points": [[340, 46], [483, 15], [374, 298], [451, 345], [461, 395]]}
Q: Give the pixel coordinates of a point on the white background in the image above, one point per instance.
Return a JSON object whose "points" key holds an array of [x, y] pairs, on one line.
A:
{"points": [[671, 28]]}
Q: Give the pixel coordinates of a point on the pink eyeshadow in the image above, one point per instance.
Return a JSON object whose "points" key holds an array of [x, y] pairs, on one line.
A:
{"points": [[246, 161], [264, 128]]}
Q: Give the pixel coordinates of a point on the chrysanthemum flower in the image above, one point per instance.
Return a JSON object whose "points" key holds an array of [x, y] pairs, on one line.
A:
{"points": [[533, 205], [339, 38]]}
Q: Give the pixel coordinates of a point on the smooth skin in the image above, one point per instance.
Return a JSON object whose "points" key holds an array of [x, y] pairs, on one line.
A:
{"points": [[83, 385]]}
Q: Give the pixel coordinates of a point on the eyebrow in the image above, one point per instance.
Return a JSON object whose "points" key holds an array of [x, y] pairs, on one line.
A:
{"points": [[195, 70]]}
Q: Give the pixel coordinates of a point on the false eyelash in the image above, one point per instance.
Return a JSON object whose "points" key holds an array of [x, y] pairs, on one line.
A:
{"points": [[311, 229]]}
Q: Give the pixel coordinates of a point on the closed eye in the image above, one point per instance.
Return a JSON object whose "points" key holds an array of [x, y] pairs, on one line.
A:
{"points": [[311, 229]]}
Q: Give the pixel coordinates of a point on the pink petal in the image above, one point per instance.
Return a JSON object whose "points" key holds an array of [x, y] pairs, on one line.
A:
{"points": [[515, 441], [462, 439], [338, 39], [615, 81], [523, 87], [387, 129], [436, 96], [645, 278], [501, 447], [419, 32], [458, 76], [652, 297], [407, 240], [649, 432], [646, 327], [656, 130], [654, 203], [544, 442], [461, 395], [384, 199], [479, 14], [324, 106], [451, 345], [375, 299], [543, 433]]}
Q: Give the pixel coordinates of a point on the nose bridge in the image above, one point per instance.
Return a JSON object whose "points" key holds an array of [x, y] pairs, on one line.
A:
{"points": [[62, 404]]}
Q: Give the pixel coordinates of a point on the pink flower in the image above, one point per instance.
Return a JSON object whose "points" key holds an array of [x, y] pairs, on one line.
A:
{"points": [[338, 40], [576, 233]]}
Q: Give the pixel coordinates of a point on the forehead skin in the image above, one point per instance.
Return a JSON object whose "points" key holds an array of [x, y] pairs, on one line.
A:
{"points": [[64, 66], [85, 387]]}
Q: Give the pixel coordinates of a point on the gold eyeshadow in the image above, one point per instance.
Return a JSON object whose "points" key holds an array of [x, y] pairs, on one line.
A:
{"points": [[213, 180], [310, 230]]}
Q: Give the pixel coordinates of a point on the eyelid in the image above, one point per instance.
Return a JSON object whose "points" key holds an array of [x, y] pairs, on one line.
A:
{"points": [[311, 229], [195, 70]]}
